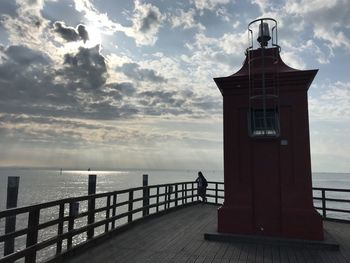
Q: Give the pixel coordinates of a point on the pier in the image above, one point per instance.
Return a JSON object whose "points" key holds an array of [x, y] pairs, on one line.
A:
{"points": [[156, 223], [178, 237]]}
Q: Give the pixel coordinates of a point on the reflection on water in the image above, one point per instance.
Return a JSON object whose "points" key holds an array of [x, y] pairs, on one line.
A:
{"points": [[38, 185]]}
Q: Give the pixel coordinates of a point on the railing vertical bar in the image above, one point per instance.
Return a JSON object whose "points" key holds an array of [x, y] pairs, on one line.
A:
{"points": [[70, 224], [176, 194], [165, 196], [130, 206], [182, 193], [185, 193], [91, 205], [192, 191], [169, 195], [32, 235], [216, 193], [60, 228], [324, 209], [108, 212], [157, 207], [145, 195], [114, 209]]}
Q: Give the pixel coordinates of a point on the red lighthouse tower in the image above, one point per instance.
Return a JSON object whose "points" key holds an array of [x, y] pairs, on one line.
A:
{"points": [[267, 167]]}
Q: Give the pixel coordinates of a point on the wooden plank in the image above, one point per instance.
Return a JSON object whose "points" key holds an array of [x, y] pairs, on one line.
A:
{"points": [[251, 248], [259, 253], [275, 254], [236, 253], [283, 255], [267, 254]]}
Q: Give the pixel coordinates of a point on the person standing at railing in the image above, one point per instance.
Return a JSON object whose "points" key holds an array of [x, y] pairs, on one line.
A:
{"points": [[202, 186]]}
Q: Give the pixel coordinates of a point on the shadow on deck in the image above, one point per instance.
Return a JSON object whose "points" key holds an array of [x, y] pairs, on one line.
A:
{"points": [[178, 237]]}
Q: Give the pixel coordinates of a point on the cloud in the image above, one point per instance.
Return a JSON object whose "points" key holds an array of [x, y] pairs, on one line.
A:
{"points": [[31, 84], [327, 18], [123, 89], [25, 56], [86, 67], [185, 20], [209, 4], [333, 104], [70, 33], [146, 22], [133, 71]]}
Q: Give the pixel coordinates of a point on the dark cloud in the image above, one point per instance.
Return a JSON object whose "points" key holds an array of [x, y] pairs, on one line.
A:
{"points": [[133, 71], [25, 56], [152, 18], [77, 89], [70, 33], [87, 67], [83, 33], [120, 90], [67, 33]]}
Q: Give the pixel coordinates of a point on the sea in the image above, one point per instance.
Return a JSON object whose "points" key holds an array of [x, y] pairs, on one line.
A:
{"points": [[43, 185]]}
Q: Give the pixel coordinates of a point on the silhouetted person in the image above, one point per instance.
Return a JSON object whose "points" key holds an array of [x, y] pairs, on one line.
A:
{"points": [[202, 186]]}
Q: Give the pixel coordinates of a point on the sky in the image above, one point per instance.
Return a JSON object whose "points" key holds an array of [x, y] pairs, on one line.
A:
{"points": [[129, 84]]}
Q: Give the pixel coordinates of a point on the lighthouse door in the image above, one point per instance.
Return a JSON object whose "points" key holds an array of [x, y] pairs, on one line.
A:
{"points": [[267, 197]]}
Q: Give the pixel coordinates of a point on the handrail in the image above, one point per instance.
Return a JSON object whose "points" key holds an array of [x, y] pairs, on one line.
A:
{"points": [[120, 208], [128, 205]]}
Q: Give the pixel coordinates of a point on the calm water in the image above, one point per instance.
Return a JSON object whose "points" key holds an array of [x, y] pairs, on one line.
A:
{"points": [[45, 185], [40, 185]]}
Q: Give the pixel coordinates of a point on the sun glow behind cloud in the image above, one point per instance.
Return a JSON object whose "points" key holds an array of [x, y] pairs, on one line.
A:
{"points": [[95, 36]]}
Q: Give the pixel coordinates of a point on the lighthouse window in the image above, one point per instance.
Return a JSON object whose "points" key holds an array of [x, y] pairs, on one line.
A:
{"points": [[264, 123]]}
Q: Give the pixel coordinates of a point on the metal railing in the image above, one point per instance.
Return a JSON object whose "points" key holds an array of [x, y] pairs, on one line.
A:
{"points": [[79, 220], [100, 212], [327, 200]]}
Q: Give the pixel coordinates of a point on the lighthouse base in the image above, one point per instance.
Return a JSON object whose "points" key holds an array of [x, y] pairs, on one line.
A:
{"points": [[305, 224]]}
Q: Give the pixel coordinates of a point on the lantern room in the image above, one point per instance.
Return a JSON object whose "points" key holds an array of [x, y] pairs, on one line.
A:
{"points": [[267, 166]]}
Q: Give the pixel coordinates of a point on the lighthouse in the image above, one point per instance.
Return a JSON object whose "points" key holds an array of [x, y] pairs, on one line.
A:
{"points": [[267, 166]]}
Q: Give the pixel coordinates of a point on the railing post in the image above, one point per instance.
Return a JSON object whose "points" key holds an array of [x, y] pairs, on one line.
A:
{"points": [[145, 201], [324, 212], [169, 195], [108, 212], [73, 212], [10, 221], [165, 197], [114, 209], [185, 193], [192, 192], [131, 204], [91, 204], [60, 228], [157, 207], [32, 235], [176, 194], [216, 192]]}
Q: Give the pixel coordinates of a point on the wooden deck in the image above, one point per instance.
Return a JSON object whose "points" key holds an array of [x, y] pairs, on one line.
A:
{"points": [[178, 237]]}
